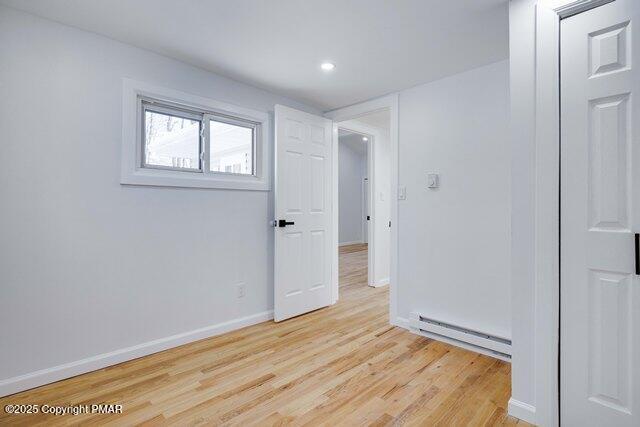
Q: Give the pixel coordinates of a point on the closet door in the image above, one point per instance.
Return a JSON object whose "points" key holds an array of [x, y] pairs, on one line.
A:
{"points": [[600, 214]]}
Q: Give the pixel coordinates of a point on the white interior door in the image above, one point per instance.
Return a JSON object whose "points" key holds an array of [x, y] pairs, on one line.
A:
{"points": [[600, 212], [303, 213]]}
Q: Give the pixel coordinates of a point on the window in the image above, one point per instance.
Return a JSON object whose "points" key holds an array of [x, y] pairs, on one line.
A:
{"points": [[192, 141], [177, 139], [171, 139], [231, 147]]}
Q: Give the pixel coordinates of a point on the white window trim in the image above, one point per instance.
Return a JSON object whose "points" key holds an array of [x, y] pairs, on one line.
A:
{"points": [[132, 172]]}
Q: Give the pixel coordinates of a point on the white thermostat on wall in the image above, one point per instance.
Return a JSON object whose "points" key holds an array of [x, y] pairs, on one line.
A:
{"points": [[433, 180]]}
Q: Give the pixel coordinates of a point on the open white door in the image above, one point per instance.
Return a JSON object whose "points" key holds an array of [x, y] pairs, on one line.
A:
{"points": [[600, 212], [302, 270]]}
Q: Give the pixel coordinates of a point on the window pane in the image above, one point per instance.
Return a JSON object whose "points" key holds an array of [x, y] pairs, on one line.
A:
{"points": [[231, 148], [171, 141]]}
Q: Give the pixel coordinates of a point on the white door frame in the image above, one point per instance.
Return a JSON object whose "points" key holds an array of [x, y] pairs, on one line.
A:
{"points": [[366, 197], [389, 102], [547, 206], [373, 135]]}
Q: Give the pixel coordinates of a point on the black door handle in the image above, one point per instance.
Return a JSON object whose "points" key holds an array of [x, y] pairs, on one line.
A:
{"points": [[284, 223], [637, 254], [368, 218]]}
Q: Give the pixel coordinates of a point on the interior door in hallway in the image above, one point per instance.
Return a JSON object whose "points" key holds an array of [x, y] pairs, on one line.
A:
{"points": [[600, 212], [302, 269]]}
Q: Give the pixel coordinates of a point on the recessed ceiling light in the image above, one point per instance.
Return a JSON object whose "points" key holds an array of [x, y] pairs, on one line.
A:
{"points": [[327, 66], [364, 138]]}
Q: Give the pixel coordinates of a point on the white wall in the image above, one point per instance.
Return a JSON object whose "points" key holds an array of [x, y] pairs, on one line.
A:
{"points": [[454, 242], [89, 266], [352, 165]]}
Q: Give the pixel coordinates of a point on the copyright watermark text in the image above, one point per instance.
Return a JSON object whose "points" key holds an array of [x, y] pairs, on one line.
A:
{"points": [[102, 408]]}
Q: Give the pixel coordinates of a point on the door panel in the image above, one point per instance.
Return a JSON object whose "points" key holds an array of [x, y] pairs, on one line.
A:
{"points": [[317, 196], [600, 196], [302, 270], [608, 179], [609, 369]]}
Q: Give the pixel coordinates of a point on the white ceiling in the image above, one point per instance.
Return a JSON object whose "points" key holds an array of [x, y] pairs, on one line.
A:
{"points": [[378, 46]]}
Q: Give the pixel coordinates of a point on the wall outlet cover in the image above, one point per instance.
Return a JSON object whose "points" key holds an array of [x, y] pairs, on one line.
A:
{"points": [[240, 290]]}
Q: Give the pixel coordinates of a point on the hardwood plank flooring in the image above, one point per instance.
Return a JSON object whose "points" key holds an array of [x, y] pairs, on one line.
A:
{"points": [[342, 365]]}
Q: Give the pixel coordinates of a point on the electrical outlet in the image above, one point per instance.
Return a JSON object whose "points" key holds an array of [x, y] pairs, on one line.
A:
{"points": [[240, 290]]}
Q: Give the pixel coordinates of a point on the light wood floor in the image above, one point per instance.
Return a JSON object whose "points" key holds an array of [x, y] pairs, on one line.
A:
{"points": [[343, 365]]}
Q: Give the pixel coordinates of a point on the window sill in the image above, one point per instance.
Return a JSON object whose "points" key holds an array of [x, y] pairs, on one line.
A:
{"points": [[160, 178]]}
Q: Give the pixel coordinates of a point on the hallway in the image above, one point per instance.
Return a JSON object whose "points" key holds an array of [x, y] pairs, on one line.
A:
{"points": [[343, 365], [353, 267]]}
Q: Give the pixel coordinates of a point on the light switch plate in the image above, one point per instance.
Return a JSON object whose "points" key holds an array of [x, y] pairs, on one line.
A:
{"points": [[433, 180], [402, 193]]}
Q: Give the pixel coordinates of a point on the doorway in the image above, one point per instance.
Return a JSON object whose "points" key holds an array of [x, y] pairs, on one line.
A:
{"points": [[365, 119], [354, 200], [371, 131]]}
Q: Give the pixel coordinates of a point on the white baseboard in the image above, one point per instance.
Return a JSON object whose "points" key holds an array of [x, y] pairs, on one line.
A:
{"points": [[68, 370], [522, 410], [516, 408], [401, 322], [358, 242], [381, 282]]}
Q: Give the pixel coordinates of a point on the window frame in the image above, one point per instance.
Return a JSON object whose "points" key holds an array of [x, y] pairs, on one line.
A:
{"points": [[135, 172], [254, 126], [149, 105]]}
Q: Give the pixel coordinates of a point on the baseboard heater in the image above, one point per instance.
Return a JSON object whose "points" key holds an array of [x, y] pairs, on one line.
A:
{"points": [[480, 342]]}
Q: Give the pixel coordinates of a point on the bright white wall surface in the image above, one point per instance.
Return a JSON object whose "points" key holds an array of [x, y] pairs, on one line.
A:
{"points": [[88, 266], [352, 165], [454, 241]]}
